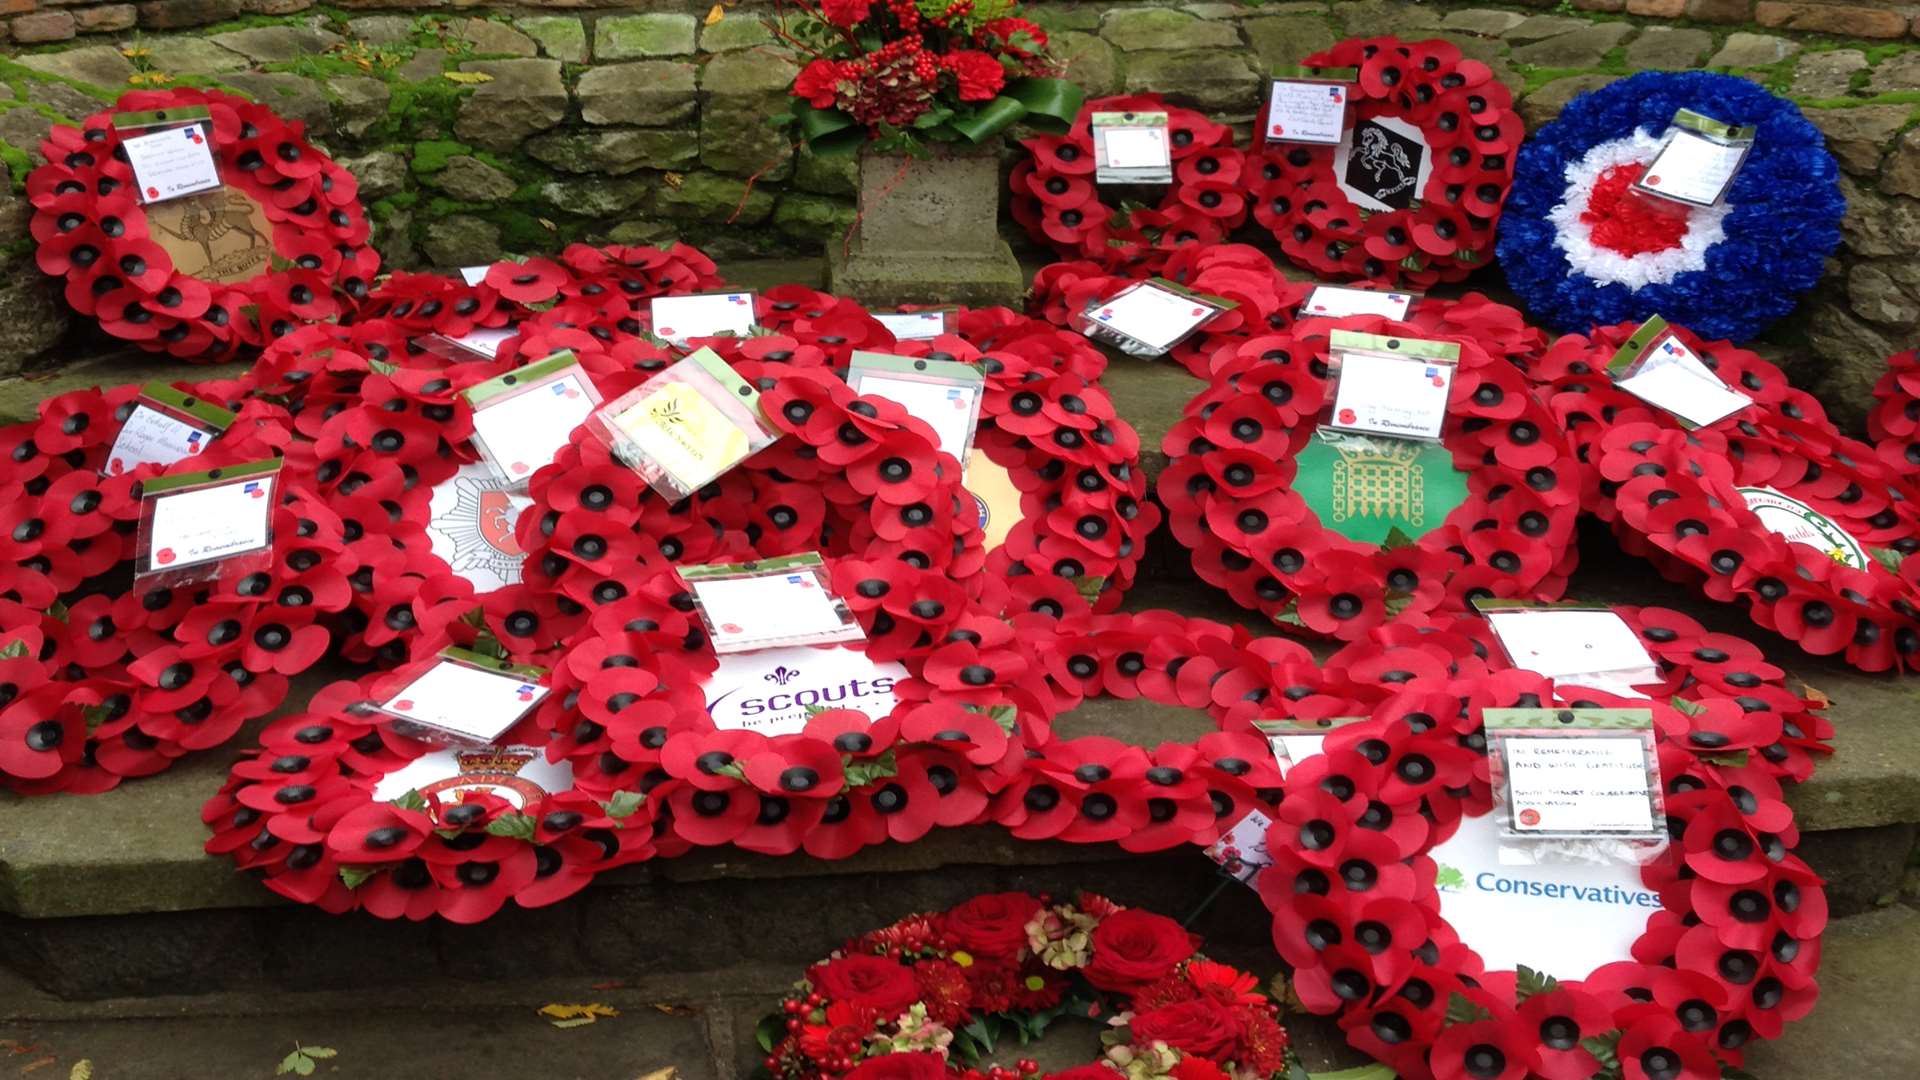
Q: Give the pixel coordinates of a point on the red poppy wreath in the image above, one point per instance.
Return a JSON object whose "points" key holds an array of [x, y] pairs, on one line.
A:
{"points": [[1413, 190], [1334, 537], [336, 809], [1058, 202], [1383, 875], [282, 241], [99, 685], [927, 998]]}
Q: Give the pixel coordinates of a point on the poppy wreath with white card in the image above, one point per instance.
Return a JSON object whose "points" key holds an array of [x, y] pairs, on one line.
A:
{"points": [[1056, 199], [1582, 247], [282, 241], [336, 809], [1333, 536], [105, 685], [1412, 192], [1440, 961]]}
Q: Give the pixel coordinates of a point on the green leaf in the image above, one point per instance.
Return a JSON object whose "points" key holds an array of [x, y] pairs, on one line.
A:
{"points": [[1687, 708], [862, 773], [1375, 1071], [1605, 1049], [292, 1063], [1396, 538], [412, 800], [1737, 760], [769, 1030], [1289, 615], [381, 367], [1888, 558], [303, 1065], [1461, 1010], [95, 715], [990, 119], [1530, 982], [623, 804], [1395, 603], [1003, 715], [13, 650], [1089, 587], [58, 611], [827, 131], [578, 1021], [933, 118], [513, 826], [1051, 104], [733, 769], [322, 1052], [355, 876]]}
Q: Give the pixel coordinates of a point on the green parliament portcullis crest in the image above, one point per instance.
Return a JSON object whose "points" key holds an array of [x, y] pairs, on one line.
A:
{"points": [[1366, 486]]}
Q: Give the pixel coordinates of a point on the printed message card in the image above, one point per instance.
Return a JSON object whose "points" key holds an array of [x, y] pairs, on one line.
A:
{"points": [[467, 697], [192, 524], [1698, 161], [943, 393], [1392, 386], [758, 605], [679, 318], [1591, 647], [168, 162], [1149, 317], [523, 418], [1668, 375], [914, 325], [1337, 301]]}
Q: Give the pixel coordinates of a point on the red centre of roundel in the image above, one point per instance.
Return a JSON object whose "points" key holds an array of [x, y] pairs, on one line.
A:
{"points": [[1623, 222]]}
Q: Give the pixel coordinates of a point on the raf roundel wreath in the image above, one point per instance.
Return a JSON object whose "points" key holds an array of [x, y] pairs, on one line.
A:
{"points": [[1411, 194], [1582, 249], [1490, 512], [282, 242], [1730, 958]]}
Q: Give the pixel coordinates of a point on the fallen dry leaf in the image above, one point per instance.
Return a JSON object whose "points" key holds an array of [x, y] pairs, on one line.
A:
{"points": [[573, 1016], [82, 1070], [719, 12], [666, 1073], [676, 1010], [35, 1066], [1820, 700]]}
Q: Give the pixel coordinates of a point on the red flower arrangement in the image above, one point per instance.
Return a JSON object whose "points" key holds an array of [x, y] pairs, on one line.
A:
{"points": [[110, 686], [902, 73], [1056, 200], [1413, 193], [1230, 493], [923, 998], [91, 229], [1669, 494], [1731, 958]]}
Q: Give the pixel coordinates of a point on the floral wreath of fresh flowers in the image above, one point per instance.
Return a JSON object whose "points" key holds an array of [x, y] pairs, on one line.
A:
{"points": [[1690, 530], [1229, 495], [1582, 249], [1443, 229], [1056, 199], [927, 997], [91, 229], [1731, 958], [300, 813], [100, 687]]}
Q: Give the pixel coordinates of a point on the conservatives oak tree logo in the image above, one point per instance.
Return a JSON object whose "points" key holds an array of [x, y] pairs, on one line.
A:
{"points": [[1449, 879]]}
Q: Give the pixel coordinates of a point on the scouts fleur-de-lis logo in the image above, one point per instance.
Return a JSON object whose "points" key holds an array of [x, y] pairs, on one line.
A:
{"points": [[782, 675]]}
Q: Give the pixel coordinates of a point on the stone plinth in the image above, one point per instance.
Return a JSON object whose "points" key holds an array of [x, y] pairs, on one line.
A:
{"points": [[928, 233]]}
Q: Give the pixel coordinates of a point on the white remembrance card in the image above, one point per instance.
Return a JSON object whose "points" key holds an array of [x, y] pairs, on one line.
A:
{"points": [[1693, 168], [913, 325], [473, 275], [1335, 301], [1307, 112], [677, 318], [465, 700], [1291, 750], [1673, 378], [1574, 785], [1137, 148], [950, 410], [742, 612], [775, 691], [1242, 851], [1568, 643], [1152, 316], [171, 163], [485, 342], [1392, 395], [205, 524], [153, 437], [524, 431]]}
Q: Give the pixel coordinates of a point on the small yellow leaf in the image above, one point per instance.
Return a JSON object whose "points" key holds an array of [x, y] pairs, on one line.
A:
{"points": [[578, 1021], [466, 77], [672, 180], [82, 1070], [719, 12], [547, 225], [667, 1073], [590, 1013]]}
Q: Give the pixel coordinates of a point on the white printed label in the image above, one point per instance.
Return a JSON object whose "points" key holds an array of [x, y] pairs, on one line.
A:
{"points": [[1152, 316], [750, 612], [152, 437], [205, 524], [1565, 644], [1693, 168], [950, 409], [521, 433], [1335, 301], [1392, 395], [1596, 784], [913, 325], [485, 342], [1674, 379], [678, 318], [171, 163], [1308, 112], [1137, 147], [775, 691], [466, 700]]}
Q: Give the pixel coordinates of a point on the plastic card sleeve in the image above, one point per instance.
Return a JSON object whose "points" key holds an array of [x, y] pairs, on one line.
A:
{"points": [[1657, 367], [1149, 318], [166, 425], [1696, 163], [1308, 106], [521, 419], [679, 319], [1294, 741], [944, 393], [685, 427], [770, 602], [465, 698], [1572, 643], [1340, 301], [202, 526], [1392, 386], [479, 344], [1132, 148], [1575, 785], [918, 325], [170, 152]]}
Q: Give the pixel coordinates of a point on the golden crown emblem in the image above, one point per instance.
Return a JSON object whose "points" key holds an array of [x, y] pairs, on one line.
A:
{"points": [[493, 759]]}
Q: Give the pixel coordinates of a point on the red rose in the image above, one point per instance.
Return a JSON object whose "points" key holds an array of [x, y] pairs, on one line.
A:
{"points": [[992, 925], [1200, 1026], [845, 13], [871, 981], [1196, 1068], [1132, 948], [980, 76], [818, 83], [918, 1065]]}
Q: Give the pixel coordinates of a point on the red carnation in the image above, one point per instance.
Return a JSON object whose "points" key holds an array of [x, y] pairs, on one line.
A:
{"points": [[818, 83], [1133, 948], [912, 1066], [871, 981], [845, 13], [980, 76], [993, 925], [1201, 1026]]}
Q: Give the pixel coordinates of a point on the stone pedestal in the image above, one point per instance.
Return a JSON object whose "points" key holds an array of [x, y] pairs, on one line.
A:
{"points": [[928, 233]]}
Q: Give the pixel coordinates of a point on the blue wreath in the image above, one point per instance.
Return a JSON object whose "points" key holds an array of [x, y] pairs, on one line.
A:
{"points": [[1785, 221]]}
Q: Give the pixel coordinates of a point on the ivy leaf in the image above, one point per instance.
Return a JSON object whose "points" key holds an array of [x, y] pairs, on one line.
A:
{"points": [[623, 804], [1461, 1010], [513, 826], [355, 876], [95, 715], [1530, 982], [412, 800]]}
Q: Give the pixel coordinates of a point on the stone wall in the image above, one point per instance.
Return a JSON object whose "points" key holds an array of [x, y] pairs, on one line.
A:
{"points": [[481, 128]]}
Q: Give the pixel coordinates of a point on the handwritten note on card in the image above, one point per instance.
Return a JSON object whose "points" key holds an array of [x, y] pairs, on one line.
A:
{"points": [[171, 163], [1306, 112], [1561, 785]]}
